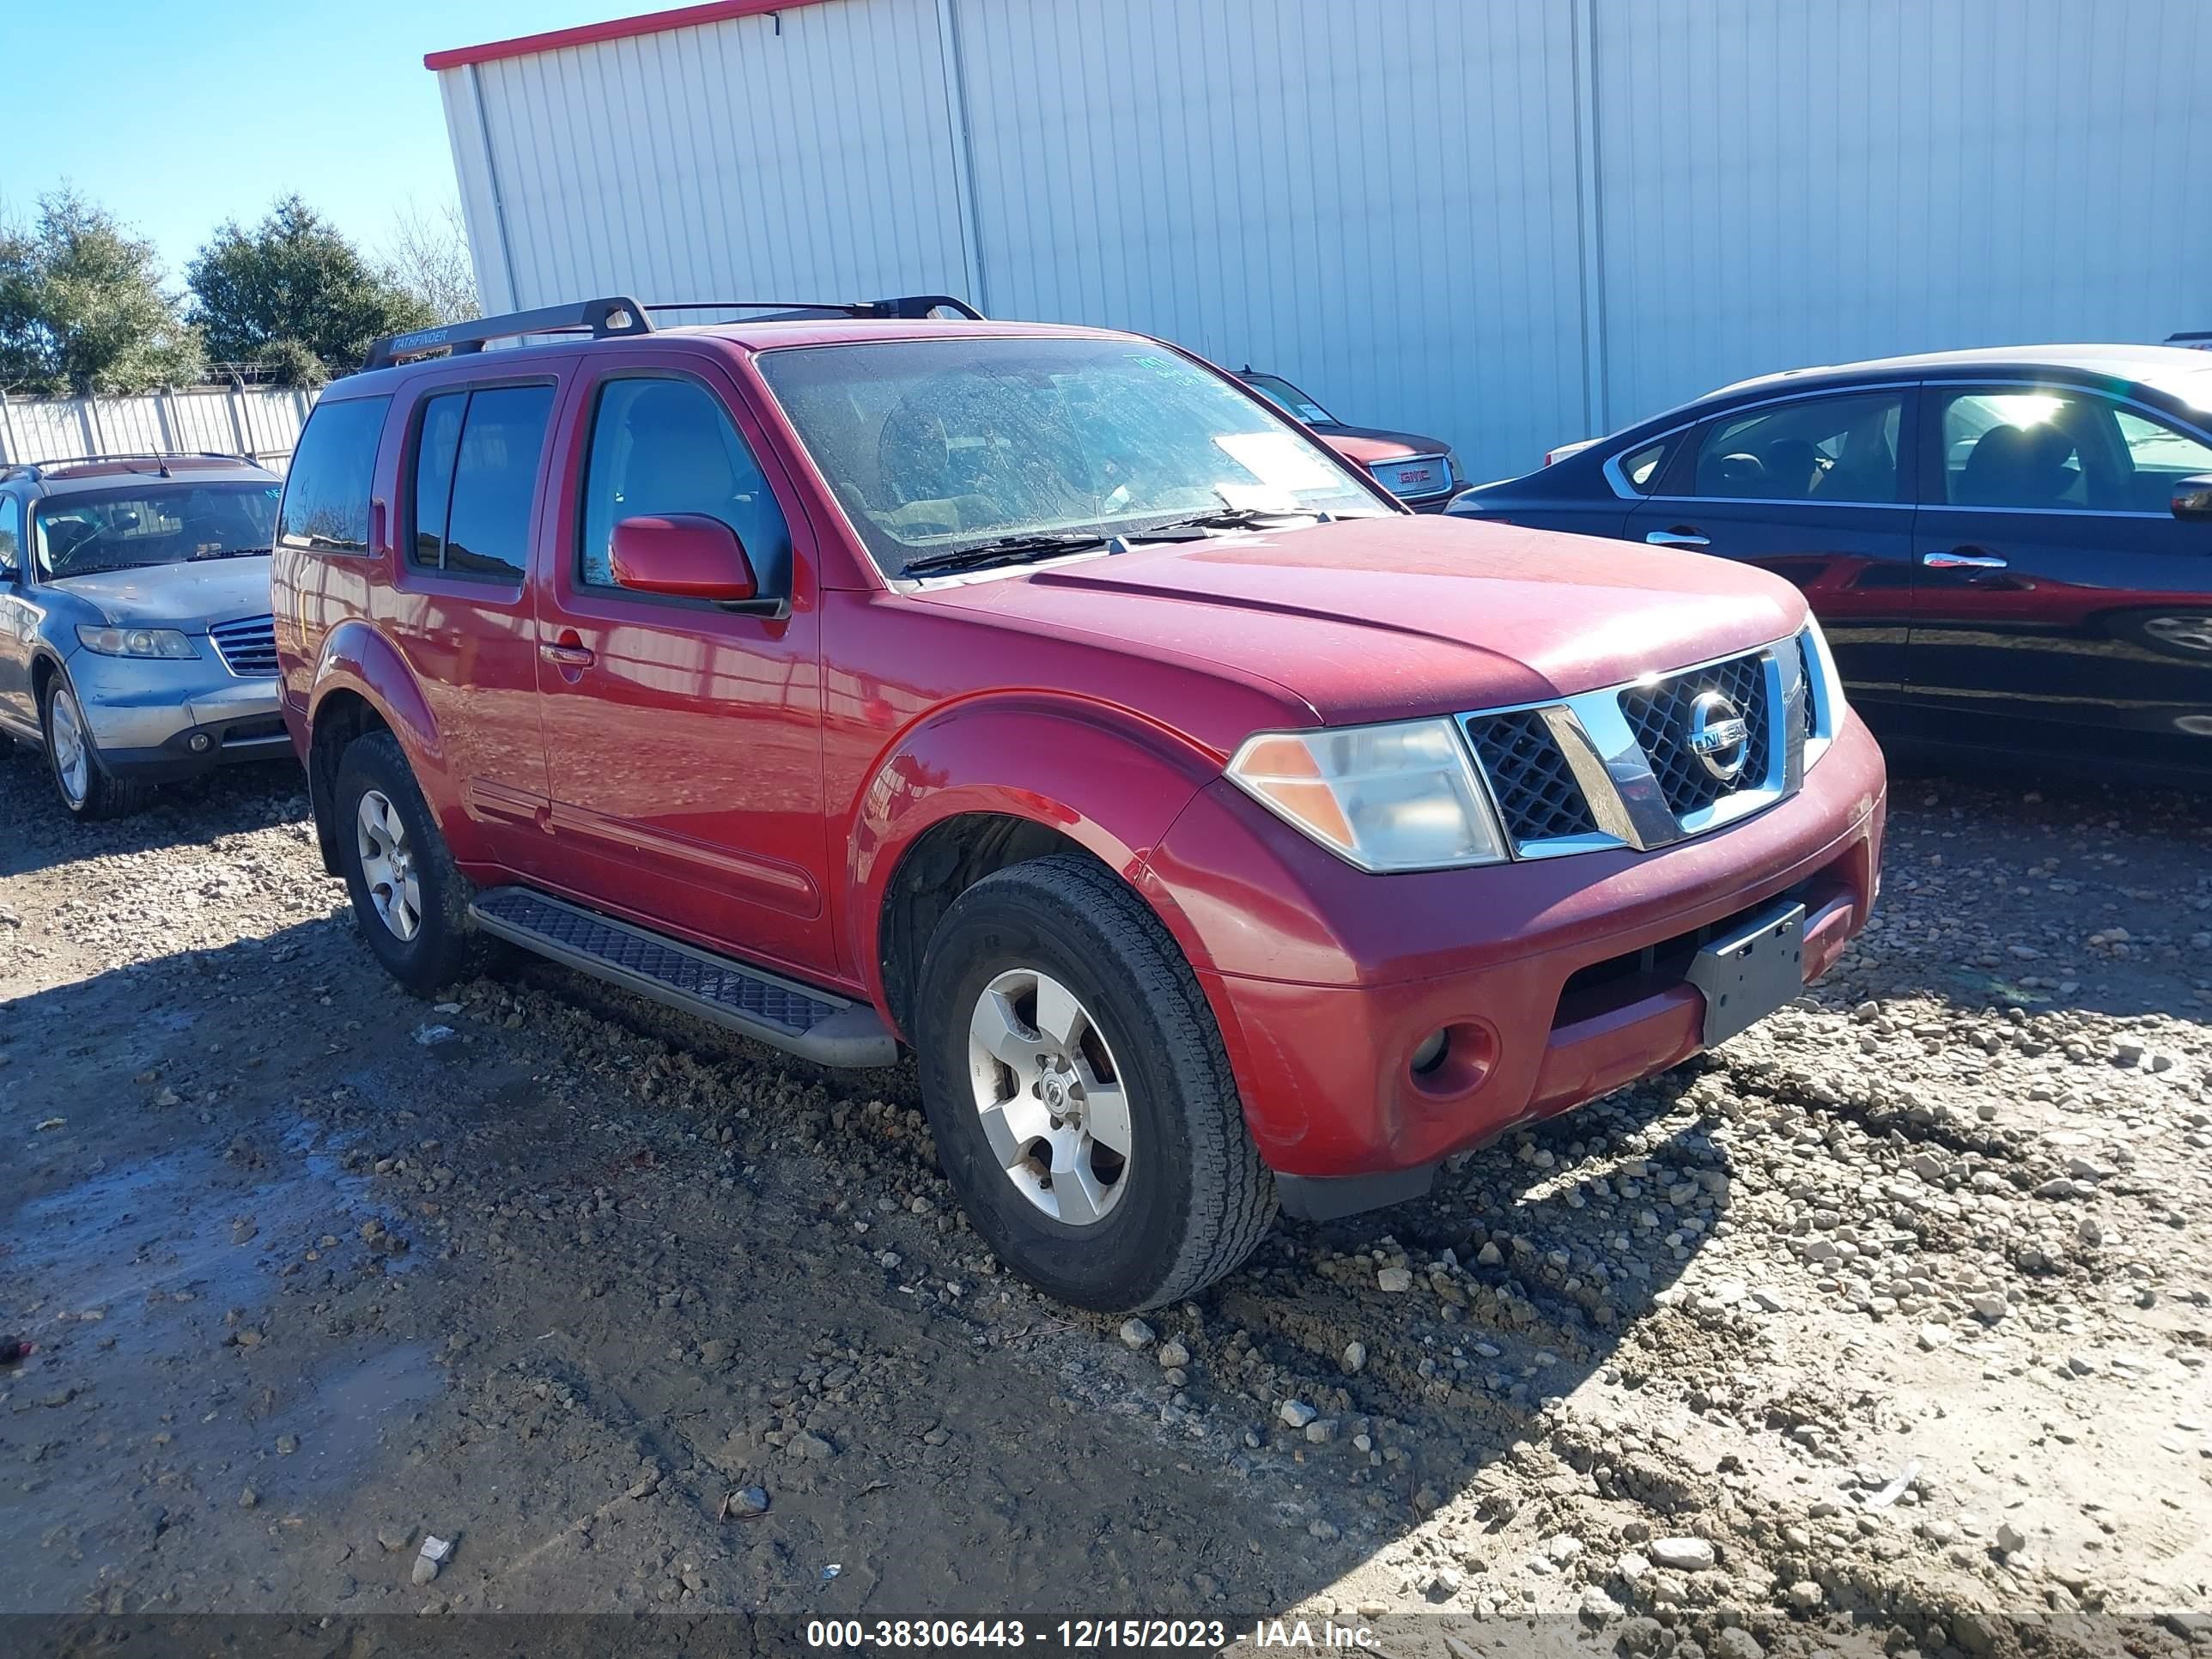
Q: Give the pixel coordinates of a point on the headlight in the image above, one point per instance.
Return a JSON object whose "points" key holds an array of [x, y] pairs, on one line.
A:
{"points": [[1824, 687], [1398, 797], [135, 642]]}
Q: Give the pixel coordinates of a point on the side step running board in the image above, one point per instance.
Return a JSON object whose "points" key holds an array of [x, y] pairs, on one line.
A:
{"points": [[813, 1024]]}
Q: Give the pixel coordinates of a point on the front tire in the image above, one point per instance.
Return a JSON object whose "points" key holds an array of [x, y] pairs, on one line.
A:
{"points": [[409, 900], [1079, 1094], [81, 778]]}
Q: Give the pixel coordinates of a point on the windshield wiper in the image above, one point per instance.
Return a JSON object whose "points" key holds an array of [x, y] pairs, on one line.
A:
{"points": [[1007, 549], [228, 553], [1227, 518]]}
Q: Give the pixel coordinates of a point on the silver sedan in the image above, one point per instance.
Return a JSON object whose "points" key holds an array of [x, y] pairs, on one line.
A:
{"points": [[136, 644]]}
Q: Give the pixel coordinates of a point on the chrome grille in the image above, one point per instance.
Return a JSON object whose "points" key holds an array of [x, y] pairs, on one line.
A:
{"points": [[1536, 793], [1413, 477], [247, 647], [1659, 716], [1808, 716]]}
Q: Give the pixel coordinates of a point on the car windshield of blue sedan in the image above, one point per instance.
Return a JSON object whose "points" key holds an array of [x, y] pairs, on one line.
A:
{"points": [[959, 452], [151, 523]]}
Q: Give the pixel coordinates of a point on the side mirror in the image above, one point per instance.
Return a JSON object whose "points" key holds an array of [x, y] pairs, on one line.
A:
{"points": [[2192, 497], [686, 556]]}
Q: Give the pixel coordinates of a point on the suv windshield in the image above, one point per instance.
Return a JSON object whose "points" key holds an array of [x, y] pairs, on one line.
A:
{"points": [[150, 522], [939, 447]]}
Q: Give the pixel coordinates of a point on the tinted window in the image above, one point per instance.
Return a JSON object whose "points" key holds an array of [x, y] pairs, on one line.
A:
{"points": [[2056, 447], [11, 535], [495, 481], [1824, 449], [326, 493], [667, 446], [437, 440], [2157, 457], [1641, 468]]}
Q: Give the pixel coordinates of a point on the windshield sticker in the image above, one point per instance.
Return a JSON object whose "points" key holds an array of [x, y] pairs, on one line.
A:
{"points": [[1278, 458], [1256, 498]]}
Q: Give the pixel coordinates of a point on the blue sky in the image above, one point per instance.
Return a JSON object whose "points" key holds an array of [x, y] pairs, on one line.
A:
{"points": [[178, 117]]}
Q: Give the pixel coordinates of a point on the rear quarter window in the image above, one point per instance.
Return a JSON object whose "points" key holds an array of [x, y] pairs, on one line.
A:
{"points": [[326, 506]]}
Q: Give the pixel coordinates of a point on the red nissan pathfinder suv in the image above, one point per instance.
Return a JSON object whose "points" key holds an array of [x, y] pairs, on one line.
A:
{"points": [[1215, 831]]}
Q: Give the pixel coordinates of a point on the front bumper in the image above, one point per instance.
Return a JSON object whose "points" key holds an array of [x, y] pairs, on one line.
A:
{"points": [[1560, 980], [159, 720]]}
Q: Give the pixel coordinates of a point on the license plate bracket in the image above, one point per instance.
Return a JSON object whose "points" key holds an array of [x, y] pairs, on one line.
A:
{"points": [[1751, 971]]}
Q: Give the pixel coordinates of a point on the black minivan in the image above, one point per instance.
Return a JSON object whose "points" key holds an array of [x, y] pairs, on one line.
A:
{"points": [[2011, 549]]}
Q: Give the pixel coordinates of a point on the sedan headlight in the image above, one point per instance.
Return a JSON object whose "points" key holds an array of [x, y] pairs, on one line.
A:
{"points": [[1385, 798], [135, 642]]}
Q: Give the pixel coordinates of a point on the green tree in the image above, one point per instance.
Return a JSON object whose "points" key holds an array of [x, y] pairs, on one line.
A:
{"points": [[82, 309], [294, 296]]}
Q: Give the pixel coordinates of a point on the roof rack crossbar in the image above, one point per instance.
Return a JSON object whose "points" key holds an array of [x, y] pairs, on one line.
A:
{"points": [[614, 314], [905, 307]]}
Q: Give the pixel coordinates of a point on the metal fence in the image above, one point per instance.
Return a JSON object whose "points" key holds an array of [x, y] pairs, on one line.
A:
{"points": [[262, 422]]}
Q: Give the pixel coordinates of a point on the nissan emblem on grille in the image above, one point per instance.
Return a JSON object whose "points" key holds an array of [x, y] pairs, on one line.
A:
{"points": [[1719, 737]]}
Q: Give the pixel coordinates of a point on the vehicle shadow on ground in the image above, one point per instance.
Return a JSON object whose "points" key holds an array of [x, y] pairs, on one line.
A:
{"points": [[233, 1119], [226, 801]]}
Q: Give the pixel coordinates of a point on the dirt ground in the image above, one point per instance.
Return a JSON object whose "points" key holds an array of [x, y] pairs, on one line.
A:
{"points": [[1884, 1328]]}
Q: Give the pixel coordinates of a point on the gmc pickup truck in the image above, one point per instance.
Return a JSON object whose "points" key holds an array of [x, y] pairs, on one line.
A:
{"points": [[1216, 833]]}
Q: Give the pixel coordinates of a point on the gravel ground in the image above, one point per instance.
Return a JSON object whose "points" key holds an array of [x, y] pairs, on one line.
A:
{"points": [[1884, 1328]]}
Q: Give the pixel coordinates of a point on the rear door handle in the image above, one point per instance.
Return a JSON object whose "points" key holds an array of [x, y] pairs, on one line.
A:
{"points": [[1678, 539], [569, 653], [1963, 558]]}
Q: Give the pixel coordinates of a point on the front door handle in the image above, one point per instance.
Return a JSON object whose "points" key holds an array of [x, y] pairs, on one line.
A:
{"points": [[569, 651], [1963, 558], [1679, 536]]}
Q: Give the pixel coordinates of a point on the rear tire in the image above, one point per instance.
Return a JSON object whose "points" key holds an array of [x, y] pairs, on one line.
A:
{"points": [[81, 778], [1059, 945], [409, 900]]}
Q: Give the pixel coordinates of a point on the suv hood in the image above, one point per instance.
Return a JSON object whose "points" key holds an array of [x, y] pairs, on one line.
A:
{"points": [[186, 596], [1370, 444], [1393, 617]]}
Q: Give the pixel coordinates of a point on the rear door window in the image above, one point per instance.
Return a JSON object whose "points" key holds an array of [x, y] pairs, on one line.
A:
{"points": [[1820, 449], [479, 525], [437, 441], [326, 505]]}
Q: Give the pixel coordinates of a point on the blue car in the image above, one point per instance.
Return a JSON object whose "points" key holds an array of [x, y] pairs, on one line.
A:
{"points": [[2011, 549]]}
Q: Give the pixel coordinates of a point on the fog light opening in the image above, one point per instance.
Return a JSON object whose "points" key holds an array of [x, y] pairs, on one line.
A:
{"points": [[1430, 1057], [1453, 1061], [200, 741]]}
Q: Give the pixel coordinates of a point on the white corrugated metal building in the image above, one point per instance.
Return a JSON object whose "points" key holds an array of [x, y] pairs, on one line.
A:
{"points": [[1506, 222]]}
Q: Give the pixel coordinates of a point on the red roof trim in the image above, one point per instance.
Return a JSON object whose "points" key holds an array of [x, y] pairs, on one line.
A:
{"points": [[619, 28]]}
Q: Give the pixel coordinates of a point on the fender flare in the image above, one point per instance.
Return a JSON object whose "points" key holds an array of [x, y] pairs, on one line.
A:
{"points": [[1109, 781], [356, 657]]}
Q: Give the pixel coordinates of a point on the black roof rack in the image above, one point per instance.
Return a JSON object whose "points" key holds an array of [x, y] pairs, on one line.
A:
{"points": [[39, 469], [619, 314], [913, 307], [616, 314], [2189, 339]]}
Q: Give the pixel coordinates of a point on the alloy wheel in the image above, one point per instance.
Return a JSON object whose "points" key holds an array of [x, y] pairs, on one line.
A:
{"points": [[72, 750], [387, 864], [1050, 1096]]}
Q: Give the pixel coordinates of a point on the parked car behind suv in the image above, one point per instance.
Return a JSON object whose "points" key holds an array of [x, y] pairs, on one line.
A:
{"points": [[1214, 830], [134, 644], [1422, 473], [2011, 548]]}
